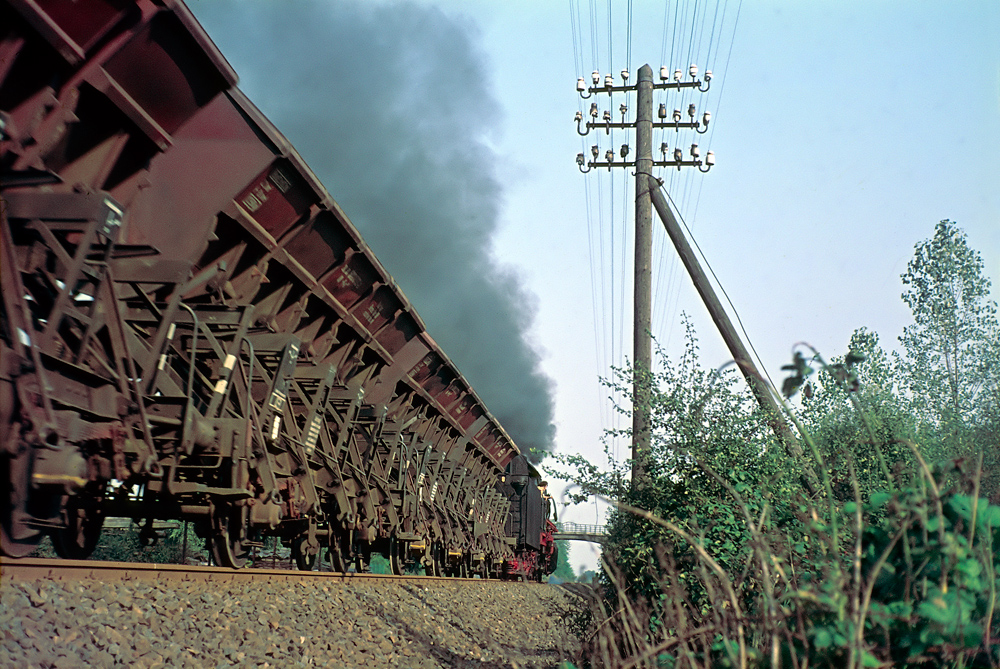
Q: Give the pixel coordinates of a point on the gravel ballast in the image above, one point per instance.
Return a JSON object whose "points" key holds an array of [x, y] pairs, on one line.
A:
{"points": [[370, 623]]}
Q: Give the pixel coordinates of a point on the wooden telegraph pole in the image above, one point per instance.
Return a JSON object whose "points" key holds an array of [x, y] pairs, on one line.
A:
{"points": [[646, 196], [643, 164], [642, 345]]}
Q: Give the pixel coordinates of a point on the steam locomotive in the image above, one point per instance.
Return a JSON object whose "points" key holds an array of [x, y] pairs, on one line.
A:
{"points": [[192, 329]]}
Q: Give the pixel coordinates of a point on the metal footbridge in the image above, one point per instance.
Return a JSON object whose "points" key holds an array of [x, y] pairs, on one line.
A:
{"points": [[578, 532]]}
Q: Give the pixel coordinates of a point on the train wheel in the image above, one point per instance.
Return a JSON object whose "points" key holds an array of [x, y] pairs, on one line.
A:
{"points": [[84, 522], [337, 560], [437, 560], [17, 538], [304, 559], [397, 556], [229, 536]]}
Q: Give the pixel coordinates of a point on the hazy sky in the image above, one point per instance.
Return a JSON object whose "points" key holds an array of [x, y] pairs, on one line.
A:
{"points": [[843, 131]]}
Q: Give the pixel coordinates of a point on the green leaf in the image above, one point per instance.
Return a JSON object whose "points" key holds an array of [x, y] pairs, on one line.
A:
{"points": [[853, 358], [962, 505], [822, 639], [970, 568], [878, 499], [869, 660], [666, 661], [991, 516], [973, 635], [938, 610], [791, 385], [901, 609]]}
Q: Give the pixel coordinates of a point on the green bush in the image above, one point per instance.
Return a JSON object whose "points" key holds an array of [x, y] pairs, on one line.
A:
{"points": [[725, 556], [727, 570]]}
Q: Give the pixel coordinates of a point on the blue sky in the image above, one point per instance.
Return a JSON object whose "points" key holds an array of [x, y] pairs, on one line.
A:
{"points": [[843, 132]]}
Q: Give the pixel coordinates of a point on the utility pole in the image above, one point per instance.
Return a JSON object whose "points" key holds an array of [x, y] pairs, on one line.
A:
{"points": [[643, 164], [647, 195], [642, 306], [760, 388]]}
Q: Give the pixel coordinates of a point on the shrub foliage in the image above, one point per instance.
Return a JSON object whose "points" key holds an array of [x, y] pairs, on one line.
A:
{"points": [[725, 559]]}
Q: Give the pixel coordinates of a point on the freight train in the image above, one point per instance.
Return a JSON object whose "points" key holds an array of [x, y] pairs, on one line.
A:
{"points": [[192, 329]]}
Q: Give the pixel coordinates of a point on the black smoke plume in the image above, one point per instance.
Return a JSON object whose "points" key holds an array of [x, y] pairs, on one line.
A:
{"points": [[391, 106]]}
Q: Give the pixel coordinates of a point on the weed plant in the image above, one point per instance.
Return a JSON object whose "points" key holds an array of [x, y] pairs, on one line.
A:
{"points": [[896, 569]]}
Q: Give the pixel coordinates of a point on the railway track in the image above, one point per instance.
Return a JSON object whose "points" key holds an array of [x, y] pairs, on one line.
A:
{"points": [[48, 569], [90, 613]]}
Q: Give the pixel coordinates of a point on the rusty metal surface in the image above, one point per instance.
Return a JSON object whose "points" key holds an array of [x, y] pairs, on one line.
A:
{"points": [[191, 314]]}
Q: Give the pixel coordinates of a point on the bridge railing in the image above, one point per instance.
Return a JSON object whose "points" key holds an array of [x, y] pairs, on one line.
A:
{"points": [[579, 528]]}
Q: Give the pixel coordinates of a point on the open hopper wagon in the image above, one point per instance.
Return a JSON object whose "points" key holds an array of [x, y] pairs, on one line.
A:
{"points": [[193, 329]]}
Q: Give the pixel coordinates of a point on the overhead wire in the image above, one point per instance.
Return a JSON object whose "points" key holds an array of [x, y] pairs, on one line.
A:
{"points": [[616, 234], [615, 309], [624, 236], [576, 30], [715, 278], [594, 233], [685, 24], [659, 98], [683, 187], [679, 181], [658, 242], [710, 64]]}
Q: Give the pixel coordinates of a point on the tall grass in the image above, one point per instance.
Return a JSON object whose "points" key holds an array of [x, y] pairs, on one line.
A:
{"points": [[905, 576]]}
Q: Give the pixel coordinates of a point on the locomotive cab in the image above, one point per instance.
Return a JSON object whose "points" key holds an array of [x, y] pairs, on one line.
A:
{"points": [[528, 523]]}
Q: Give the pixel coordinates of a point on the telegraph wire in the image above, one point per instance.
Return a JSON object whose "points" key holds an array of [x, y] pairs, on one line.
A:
{"points": [[673, 288], [711, 36], [694, 24], [594, 232], [627, 200], [722, 288], [687, 27]]}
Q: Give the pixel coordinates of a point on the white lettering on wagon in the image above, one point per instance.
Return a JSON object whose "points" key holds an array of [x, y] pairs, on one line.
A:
{"points": [[257, 197]]}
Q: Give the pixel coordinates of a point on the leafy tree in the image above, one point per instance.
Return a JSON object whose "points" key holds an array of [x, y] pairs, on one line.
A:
{"points": [[724, 560], [830, 414], [564, 572], [951, 362], [708, 436], [952, 350]]}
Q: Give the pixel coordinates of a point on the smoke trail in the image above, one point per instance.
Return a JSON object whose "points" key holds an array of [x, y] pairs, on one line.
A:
{"points": [[391, 107]]}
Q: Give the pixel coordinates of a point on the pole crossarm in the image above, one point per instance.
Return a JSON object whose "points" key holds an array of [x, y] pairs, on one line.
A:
{"points": [[656, 163], [607, 126], [677, 85]]}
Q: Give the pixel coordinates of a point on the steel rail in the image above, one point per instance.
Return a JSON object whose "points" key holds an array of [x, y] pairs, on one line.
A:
{"points": [[48, 569]]}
